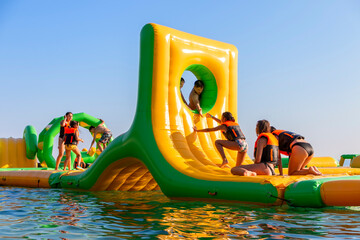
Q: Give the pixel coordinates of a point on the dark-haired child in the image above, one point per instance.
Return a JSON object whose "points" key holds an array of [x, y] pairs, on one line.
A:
{"points": [[63, 124], [266, 152], [105, 136], [300, 152], [233, 134], [71, 139], [195, 95]]}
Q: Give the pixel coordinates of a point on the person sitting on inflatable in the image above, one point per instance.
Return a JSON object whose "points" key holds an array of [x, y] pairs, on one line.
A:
{"points": [[195, 95], [71, 140], [300, 152], [234, 135], [266, 152]]}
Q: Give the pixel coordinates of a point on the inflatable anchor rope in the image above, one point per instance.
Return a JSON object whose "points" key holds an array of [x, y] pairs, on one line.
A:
{"points": [[282, 199]]}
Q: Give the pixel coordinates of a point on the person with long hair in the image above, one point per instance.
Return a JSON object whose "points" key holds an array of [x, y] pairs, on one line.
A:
{"points": [[266, 153], [300, 152], [235, 139], [63, 124]]}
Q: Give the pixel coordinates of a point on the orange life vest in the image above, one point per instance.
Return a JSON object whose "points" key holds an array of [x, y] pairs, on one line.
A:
{"points": [[270, 152], [70, 136], [285, 140], [233, 131]]}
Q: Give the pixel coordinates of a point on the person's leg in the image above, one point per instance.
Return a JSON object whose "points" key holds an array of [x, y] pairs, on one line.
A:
{"points": [[242, 153], [240, 158], [99, 146], [78, 156], [61, 153], [220, 144], [67, 159], [296, 161], [249, 170]]}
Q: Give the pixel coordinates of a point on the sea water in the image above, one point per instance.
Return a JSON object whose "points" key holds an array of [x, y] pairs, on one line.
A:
{"points": [[65, 214]]}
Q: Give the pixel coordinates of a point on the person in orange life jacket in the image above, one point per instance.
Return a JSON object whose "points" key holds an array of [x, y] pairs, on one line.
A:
{"points": [[266, 152], [234, 135], [300, 152], [63, 124], [71, 140]]}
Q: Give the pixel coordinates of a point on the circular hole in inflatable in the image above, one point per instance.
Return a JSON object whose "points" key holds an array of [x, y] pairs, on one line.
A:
{"points": [[208, 96]]}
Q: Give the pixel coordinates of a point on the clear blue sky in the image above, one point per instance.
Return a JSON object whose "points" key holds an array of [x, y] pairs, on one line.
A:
{"points": [[299, 62]]}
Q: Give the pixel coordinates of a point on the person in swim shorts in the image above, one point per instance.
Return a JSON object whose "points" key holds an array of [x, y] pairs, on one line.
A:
{"points": [[300, 152], [71, 139], [266, 152], [232, 132], [105, 136], [63, 124]]}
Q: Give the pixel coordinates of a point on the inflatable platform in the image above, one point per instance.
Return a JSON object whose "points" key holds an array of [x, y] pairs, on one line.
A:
{"points": [[161, 150]]}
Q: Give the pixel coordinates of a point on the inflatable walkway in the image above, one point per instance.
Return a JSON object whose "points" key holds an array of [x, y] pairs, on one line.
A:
{"points": [[161, 151]]}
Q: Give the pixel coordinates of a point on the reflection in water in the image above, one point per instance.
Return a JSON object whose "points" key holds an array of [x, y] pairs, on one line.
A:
{"points": [[64, 214]]}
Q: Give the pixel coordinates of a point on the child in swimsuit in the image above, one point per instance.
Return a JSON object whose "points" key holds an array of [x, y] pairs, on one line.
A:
{"points": [[63, 124], [195, 94], [300, 152], [266, 153], [106, 136], [234, 135], [71, 140]]}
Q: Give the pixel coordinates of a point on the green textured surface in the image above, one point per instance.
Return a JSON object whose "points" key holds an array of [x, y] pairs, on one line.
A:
{"points": [[30, 137], [307, 193], [209, 94]]}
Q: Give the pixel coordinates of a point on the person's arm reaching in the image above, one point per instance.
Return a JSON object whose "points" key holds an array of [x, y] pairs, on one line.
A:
{"points": [[208, 115], [93, 141], [221, 127]]}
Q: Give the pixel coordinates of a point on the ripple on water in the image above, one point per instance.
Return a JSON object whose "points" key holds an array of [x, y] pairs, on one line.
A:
{"points": [[59, 213]]}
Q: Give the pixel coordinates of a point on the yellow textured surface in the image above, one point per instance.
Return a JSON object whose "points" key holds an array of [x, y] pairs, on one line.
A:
{"points": [[192, 154], [129, 174], [13, 154]]}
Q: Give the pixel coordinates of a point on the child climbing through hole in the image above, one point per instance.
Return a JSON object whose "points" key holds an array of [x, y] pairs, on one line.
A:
{"points": [[195, 96], [71, 139], [233, 134]]}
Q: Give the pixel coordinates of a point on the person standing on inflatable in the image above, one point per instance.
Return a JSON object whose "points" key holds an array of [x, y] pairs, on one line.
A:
{"points": [[234, 135], [63, 124], [71, 140], [266, 152], [300, 152]]}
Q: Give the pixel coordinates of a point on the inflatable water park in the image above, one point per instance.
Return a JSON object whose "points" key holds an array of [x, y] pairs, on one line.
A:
{"points": [[161, 151]]}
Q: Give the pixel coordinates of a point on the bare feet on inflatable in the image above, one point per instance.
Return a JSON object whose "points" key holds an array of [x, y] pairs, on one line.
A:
{"points": [[249, 173], [225, 164], [315, 171]]}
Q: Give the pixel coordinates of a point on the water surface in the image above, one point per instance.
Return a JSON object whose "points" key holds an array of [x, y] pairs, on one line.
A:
{"points": [[65, 214]]}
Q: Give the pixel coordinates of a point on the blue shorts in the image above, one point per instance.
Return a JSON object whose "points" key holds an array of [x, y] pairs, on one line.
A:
{"points": [[105, 138]]}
